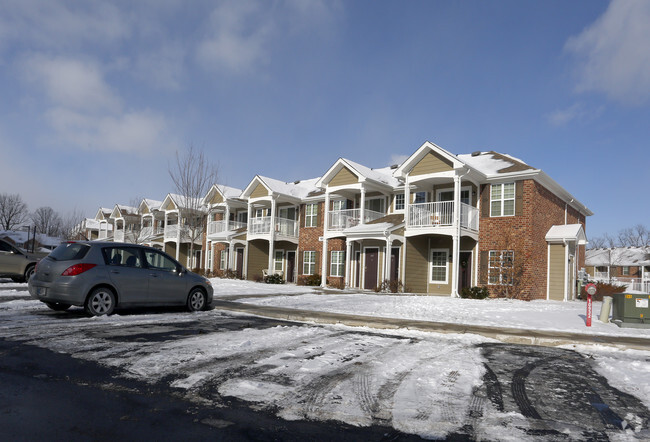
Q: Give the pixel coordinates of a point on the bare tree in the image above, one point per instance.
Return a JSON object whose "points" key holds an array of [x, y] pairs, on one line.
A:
{"points": [[47, 221], [72, 226], [637, 236], [13, 211], [193, 175]]}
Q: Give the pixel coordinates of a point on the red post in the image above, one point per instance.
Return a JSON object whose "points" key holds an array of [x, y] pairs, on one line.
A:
{"points": [[589, 302]]}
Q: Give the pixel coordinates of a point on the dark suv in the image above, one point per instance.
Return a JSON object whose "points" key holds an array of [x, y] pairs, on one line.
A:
{"points": [[16, 263], [101, 276]]}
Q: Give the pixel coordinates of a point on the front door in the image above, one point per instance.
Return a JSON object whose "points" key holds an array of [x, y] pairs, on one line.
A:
{"points": [[370, 269], [465, 271], [240, 263], [394, 264], [291, 265]]}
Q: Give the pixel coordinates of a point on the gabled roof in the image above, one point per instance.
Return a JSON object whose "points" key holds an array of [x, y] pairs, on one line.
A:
{"points": [[150, 204], [103, 213], [180, 202], [493, 163], [567, 232], [226, 192], [297, 189], [618, 256], [120, 211], [419, 154], [382, 176]]}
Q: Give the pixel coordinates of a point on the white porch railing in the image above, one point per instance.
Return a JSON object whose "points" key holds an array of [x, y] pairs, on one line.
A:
{"points": [[441, 214], [340, 220], [119, 235], [150, 231], [103, 234], [224, 226], [283, 226]]}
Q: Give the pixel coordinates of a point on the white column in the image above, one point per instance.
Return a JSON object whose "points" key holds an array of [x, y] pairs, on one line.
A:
{"points": [[387, 256], [362, 211], [348, 253], [323, 264], [407, 201], [272, 237], [179, 226], [231, 257], [227, 218], [456, 239]]}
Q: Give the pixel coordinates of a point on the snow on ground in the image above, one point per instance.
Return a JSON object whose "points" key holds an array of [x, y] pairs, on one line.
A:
{"points": [[280, 368]]}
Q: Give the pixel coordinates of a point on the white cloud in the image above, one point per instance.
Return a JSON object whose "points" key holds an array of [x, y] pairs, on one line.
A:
{"points": [[236, 38], [72, 83], [575, 112], [134, 132], [614, 52], [56, 24]]}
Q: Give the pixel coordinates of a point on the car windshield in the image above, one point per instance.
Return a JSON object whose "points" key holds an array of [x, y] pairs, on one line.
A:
{"points": [[69, 252]]}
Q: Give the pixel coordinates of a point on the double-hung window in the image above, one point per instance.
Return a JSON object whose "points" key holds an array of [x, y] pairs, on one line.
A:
{"points": [[501, 267], [399, 201], [502, 199], [337, 264], [439, 266], [278, 262], [223, 260], [311, 215], [309, 263]]}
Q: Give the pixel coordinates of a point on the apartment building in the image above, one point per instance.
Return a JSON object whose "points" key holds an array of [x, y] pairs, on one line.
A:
{"points": [[435, 224], [629, 266]]}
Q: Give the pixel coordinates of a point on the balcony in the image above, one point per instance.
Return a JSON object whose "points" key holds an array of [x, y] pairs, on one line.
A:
{"points": [[215, 227], [339, 220], [149, 231], [441, 214], [283, 226]]}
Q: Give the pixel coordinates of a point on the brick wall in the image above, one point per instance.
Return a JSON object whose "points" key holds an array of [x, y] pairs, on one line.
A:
{"points": [[526, 233]]}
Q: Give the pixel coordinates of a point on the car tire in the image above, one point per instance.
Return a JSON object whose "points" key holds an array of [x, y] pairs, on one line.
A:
{"points": [[29, 271], [101, 301], [196, 300], [58, 306], [17, 279]]}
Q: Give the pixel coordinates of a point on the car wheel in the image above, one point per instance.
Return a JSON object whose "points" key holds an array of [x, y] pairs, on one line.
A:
{"points": [[17, 279], [101, 301], [57, 306], [196, 300], [29, 271]]}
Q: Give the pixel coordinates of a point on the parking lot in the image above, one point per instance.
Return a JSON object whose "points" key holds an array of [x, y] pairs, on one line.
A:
{"points": [[291, 378]]}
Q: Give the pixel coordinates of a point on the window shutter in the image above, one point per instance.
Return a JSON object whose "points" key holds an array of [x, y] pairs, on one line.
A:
{"points": [[318, 213], [485, 201], [317, 263], [303, 211], [519, 198], [483, 268], [301, 261]]}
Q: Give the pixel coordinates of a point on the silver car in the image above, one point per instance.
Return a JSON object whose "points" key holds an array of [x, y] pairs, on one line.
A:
{"points": [[16, 263], [102, 276]]}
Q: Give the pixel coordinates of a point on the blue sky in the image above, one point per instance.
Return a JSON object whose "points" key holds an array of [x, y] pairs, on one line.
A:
{"points": [[97, 96]]}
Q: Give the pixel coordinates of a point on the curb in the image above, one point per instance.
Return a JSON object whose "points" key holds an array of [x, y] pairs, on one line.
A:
{"points": [[508, 335]]}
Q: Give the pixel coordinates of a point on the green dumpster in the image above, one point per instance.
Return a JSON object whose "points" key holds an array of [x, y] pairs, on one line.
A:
{"points": [[631, 310]]}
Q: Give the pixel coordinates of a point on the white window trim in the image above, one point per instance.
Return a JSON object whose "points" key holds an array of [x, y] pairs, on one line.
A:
{"points": [[312, 218], [223, 259], [502, 199], [500, 268], [304, 261], [451, 189], [341, 265], [395, 209], [275, 260], [373, 198], [431, 281]]}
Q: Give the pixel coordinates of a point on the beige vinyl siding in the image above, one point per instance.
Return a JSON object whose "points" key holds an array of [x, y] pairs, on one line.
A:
{"points": [[343, 178], [217, 198], [259, 191], [258, 258], [417, 261], [170, 249], [431, 163], [557, 272]]}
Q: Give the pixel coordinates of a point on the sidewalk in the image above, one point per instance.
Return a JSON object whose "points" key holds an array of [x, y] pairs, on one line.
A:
{"points": [[550, 338]]}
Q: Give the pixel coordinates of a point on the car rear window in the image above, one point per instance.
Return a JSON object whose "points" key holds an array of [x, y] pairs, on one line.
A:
{"points": [[69, 252]]}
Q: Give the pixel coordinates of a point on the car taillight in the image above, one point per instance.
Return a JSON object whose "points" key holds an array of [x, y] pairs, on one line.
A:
{"points": [[77, 269]]}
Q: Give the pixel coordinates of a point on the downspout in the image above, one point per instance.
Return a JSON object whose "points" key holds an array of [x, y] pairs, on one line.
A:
{"points": [[566, 209], [456, 238]]}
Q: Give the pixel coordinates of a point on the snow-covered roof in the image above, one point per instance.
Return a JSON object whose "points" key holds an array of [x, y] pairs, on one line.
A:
{"points": [[21, 237], [618, 256], [382, 175], [494, 163], [183, 202], [152, 204], [297, 189], [569, 232], [229, 192]]}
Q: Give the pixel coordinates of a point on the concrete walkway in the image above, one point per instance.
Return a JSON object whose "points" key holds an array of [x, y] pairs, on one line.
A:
{"points": [[509, 335]]}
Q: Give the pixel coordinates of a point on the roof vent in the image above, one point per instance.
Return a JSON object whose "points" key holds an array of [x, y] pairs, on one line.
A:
{"points": [[394, 166], [296, 182], [476, 153]]}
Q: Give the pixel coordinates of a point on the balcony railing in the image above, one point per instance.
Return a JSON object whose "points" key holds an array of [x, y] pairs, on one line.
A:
{"points": [[150, 231], [103, 234], [224, 226], [441, 214], [283, 226], [339, 220], [119, 235]]}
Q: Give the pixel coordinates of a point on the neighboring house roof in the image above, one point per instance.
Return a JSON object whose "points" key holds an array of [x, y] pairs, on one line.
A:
{"points": [[122, 210], [152, 204], [181, 202], [298, 189], [103, 213], [21, 238], [618, 256], [567, 232], [382, 175]]}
